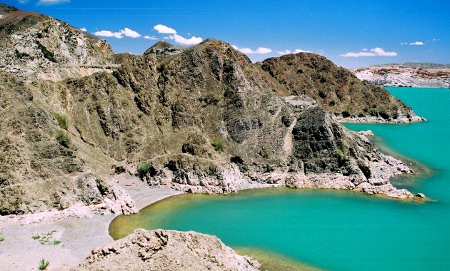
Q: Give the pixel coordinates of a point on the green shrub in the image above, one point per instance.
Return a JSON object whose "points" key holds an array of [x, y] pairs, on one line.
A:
{"points": [[341, 158], [62, 121], [145, 169], [2, 238], [56, 242], [62, 138], [218, 144], [43, 264]]}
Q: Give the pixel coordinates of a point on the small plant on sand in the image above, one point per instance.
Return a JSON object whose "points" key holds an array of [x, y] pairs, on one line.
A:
{"points": [[62, 138], [62, 121], [2, 238], [46, 239], [43, 264], [218, 144]]}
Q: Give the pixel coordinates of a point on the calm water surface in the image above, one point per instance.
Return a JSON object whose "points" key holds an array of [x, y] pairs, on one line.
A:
{"points": [[336, 230]]}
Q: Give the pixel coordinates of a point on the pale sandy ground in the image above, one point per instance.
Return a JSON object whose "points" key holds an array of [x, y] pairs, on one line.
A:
{"points": [[78, 235]]}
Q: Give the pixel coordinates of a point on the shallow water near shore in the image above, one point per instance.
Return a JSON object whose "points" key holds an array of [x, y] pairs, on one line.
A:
{"points": [[336, 230]]}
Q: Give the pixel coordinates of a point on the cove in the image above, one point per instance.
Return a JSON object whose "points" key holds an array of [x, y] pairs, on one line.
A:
{"points": [[336, 230]]}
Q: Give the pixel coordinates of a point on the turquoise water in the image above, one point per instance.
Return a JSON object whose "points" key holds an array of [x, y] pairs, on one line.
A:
{"points": [[338, 230]]}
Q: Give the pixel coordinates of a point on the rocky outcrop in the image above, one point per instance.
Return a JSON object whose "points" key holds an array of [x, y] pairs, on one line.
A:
{"points": [[163, 48], [406, 75], [37, 47], [203, 120], [336, 89], [167, 250]]}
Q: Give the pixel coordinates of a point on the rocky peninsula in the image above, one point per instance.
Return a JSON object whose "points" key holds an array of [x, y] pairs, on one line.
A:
{"points": [[82, 128], [422, 75]]}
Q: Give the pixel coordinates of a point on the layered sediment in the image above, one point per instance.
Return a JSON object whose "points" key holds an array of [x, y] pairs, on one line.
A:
{"points": [[422, 75]]}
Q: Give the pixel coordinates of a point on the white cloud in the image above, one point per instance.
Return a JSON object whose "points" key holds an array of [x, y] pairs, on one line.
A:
{"points": [[108, 34], [83, 29], [52, 2], [130, 33], [248, 51], [372, 52], [296, 51], [22, 1], [162, 29], [118, 35], [380, 52], [416, 43], [301, 51], [182, 40], [285, 52], [150, 38]]}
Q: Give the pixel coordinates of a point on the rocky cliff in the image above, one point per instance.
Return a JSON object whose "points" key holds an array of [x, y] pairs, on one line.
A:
{"points": [[202, 119], [37, 47], [167, 250], [406, 75], [336, 89]]}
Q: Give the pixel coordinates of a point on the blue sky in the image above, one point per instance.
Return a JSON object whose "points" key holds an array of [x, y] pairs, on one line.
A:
{"points": [[350, 33]]}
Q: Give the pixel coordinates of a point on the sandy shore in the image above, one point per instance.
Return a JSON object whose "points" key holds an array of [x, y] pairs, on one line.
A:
{"points": [[70, 235], [79, 231]]}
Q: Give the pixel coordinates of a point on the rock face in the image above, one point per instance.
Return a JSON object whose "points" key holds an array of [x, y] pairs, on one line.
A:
{"points": [[407, 75], [35, 46], [203, 119], [163, 48], [167, 250], [336, 89]]}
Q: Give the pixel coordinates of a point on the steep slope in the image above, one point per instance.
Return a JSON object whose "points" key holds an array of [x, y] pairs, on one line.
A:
{"points": [[35, 46], [167, 250], [336, 89], [203, 119]]}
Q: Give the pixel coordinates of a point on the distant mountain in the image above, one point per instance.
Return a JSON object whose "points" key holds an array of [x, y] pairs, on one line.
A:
{"points": [[424, 65], [407, 75]]}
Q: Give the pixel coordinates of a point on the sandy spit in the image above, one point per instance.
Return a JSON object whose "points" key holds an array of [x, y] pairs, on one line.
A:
{"points": [[68, 236]]}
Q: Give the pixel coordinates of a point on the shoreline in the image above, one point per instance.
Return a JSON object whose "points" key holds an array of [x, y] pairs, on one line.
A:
{"points": [[79, 232], [82, 229]]}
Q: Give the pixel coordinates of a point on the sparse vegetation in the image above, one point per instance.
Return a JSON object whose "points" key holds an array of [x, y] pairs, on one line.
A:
{"points": [[218, 144], [62, 138], [2, 238], [46, 239], [62, 120], [43, 264], [145, 169], [341, 157]]}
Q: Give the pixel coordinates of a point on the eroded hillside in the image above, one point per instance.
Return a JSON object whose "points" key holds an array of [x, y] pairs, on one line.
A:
{"points": [[201, 119]]}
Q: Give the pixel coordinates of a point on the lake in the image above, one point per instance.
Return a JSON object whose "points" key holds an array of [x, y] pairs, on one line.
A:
{"points": [[336, 230]]}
